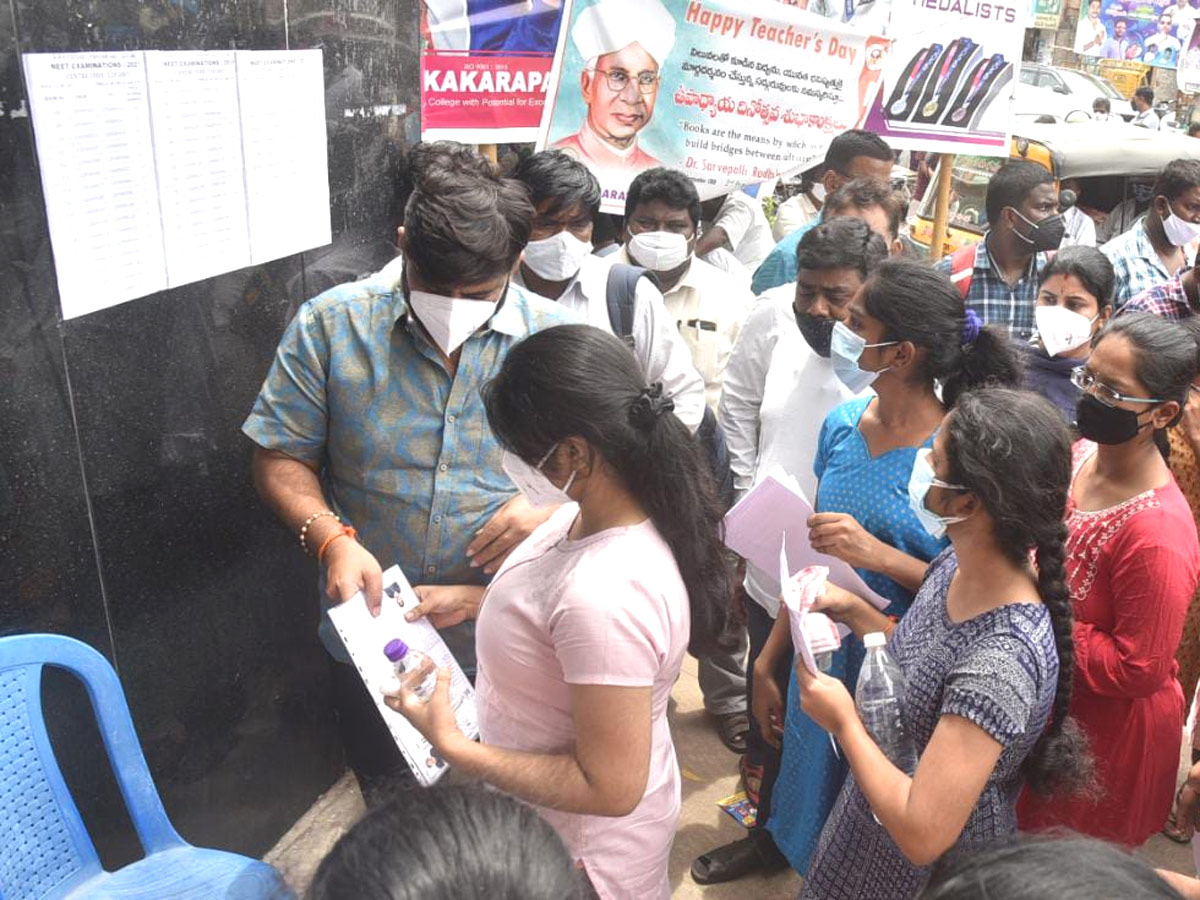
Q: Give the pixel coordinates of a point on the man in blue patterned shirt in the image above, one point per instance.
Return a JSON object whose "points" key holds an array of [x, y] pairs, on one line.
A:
{"points": [[1003, 270], [372, 441], [1162, 243]]}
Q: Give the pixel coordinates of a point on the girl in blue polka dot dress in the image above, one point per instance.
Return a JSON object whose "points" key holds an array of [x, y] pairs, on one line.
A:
{"points": [[905, 333]]}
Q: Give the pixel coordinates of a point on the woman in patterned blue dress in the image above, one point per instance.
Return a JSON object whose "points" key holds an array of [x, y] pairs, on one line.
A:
{"points": [[986, 651], [906, 329]]}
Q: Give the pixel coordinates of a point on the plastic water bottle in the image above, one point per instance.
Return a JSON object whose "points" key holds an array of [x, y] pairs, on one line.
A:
{"points": [[406, 660], [880, 701]]}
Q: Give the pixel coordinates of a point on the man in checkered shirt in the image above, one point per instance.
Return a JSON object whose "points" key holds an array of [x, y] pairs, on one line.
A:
{"points": [[1163, 242], [1024, 224]]}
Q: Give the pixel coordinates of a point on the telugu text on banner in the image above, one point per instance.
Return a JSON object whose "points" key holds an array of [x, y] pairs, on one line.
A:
{"points": [[732, 93]]}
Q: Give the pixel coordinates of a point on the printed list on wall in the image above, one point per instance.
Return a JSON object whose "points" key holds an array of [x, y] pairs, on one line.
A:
{"points": [[162, 168]]}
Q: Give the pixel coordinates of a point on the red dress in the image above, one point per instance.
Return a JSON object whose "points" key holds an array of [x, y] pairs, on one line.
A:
{"points": [[1132, 570]]}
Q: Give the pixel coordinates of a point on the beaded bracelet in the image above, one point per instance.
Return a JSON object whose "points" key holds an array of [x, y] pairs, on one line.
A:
{"points": [[346, 531], [308, 522]]}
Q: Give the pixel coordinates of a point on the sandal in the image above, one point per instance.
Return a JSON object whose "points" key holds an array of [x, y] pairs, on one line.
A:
{"points": [[732, 729]]}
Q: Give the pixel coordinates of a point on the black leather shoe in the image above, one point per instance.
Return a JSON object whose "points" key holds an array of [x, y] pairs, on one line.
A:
{"points": [[755, 853]]}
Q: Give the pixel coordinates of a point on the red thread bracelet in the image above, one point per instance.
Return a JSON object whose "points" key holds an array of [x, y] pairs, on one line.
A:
{"points": [[346, 531]]}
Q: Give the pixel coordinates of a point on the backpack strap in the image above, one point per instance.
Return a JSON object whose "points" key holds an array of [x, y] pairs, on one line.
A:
{"points": [[962, 269], [621, 293]]}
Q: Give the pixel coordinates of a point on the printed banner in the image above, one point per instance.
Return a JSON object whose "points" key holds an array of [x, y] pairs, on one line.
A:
{"points": [[1154, 33], [732, 92], [485, 66], [1046, 14], [948, 80]]}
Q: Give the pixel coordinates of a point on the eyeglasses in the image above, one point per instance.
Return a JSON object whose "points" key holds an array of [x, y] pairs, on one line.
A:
{"points": [[1086, 381], [618, 78]]}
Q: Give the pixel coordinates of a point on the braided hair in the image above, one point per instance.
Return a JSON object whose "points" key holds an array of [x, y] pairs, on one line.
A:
{"points": [[1012, 450]]}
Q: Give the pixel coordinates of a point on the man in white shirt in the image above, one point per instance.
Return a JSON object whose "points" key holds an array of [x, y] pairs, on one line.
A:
{"points": [[739, 226], [558, 264], [779, 387], [1090, 34], [1079, 229], [662, 221], [1162, 48], [1143, 105]]}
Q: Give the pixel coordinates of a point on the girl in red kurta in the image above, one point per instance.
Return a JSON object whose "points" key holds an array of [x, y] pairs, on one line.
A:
{"points": [[1132, 565]]}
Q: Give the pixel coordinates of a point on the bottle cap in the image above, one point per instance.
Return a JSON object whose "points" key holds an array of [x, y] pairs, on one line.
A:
{"points": [[395, 650], [875, 639]]}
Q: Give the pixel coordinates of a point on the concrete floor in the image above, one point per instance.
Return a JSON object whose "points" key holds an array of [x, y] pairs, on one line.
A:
{"points": [[709, 774]]}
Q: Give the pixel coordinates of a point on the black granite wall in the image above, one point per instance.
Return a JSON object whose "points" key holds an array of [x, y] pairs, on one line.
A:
{"points": [[127, 514]]}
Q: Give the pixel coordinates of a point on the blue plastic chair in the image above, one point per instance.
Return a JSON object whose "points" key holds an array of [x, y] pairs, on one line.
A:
{"points": [[45, 851]]}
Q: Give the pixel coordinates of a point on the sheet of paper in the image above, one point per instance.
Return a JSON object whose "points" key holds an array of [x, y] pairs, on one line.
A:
{"points": [[282, 98], [198, 159], [365, 637], [777, 506], [91, 116], [813, 634]]}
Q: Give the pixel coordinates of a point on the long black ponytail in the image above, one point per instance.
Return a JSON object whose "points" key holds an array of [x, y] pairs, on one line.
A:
{"points": [[917, 303], [580, 381], [1013, 451]]}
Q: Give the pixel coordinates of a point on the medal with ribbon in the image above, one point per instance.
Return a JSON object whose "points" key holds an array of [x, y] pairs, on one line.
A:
{"points": [[955, 57], [921, 64], [983, 75]]}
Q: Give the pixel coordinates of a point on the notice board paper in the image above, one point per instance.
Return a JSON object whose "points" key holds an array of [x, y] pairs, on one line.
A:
{"points": [[198, 159], [163, 168], [774, 510], [282, 98], [92, 116], [365, 636]]}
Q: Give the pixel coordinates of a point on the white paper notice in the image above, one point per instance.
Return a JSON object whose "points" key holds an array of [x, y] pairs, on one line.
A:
{"points": [[281, 94], [776, 507], [365, 636], [92, 121], [163, 168], [198, 156]]}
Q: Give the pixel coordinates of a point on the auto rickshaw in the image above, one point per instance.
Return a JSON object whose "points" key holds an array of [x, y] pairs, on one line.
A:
{"points": [[1110, 163]]}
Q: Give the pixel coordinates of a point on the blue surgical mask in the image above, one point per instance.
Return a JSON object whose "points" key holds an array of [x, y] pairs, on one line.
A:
{"points": [[846, 347], [919, 483]]}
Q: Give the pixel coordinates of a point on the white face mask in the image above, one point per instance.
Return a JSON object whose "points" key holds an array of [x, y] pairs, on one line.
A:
{"points": [[1062, 330], [532, 481], [1179, 232], [659, 251], [557, 257], [451, 320]]}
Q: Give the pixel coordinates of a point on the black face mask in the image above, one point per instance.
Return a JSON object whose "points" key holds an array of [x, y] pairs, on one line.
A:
{"points": [[1046, 234], [817, 331], [1105, 424]]}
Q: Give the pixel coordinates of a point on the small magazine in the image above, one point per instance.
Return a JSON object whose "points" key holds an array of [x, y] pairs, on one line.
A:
{"points": [[739, 806], [365, 636]]}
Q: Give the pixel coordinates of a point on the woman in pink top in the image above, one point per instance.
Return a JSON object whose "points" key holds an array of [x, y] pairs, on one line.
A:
{"points": [[582, 631]]}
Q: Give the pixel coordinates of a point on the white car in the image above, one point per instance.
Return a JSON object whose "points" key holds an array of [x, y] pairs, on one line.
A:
{"points": [[1065, 94]]}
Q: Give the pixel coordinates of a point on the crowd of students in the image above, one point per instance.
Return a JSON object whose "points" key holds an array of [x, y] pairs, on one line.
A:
{"points": [[1002, 443]]}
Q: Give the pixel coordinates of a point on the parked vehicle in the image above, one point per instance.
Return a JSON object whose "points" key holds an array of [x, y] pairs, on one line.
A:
{"points": [[1065, 94], [1110, 161]]}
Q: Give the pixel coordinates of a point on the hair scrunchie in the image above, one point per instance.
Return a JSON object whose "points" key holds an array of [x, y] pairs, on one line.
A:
{"points": [[649, 406], [971, 328]]}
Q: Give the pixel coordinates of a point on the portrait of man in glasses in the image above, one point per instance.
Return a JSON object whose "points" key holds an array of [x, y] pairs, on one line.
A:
{"points": [[624, 43]]}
